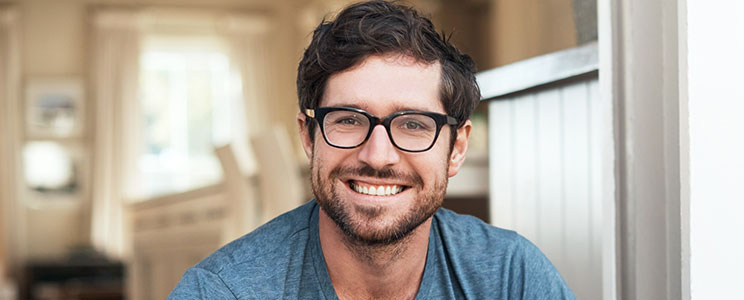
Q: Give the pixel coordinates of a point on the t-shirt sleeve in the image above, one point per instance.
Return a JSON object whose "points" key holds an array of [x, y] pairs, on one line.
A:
{"points": [[198, 283], [534, 276]]}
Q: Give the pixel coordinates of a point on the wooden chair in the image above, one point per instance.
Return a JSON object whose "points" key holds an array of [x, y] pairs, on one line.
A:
{"points": [[279, 174]]}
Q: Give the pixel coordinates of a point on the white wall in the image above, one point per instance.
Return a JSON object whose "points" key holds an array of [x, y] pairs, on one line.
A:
{"points": [[550, 174], [638, 70], [715, 60]]}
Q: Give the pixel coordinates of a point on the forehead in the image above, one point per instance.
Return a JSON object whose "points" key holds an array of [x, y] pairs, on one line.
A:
{"points": [[385, 84]]}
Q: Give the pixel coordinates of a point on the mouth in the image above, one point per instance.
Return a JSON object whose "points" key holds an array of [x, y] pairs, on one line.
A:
{"points": [[376, 189]]}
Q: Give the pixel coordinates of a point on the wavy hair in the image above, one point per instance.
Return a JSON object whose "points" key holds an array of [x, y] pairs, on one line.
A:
{"points": [[378, 28]]}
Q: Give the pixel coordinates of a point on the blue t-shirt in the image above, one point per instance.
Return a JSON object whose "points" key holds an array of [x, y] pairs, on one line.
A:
{"points": [[466, 259]]}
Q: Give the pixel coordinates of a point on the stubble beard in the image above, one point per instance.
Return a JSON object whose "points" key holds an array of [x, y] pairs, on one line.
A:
{"points": [[354, 220]]}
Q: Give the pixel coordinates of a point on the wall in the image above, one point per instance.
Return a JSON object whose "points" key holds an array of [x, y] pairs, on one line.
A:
{"points": [[528, 28], [8, 131], [715, 103], [549, 170], [672, 69], [467, 22]]}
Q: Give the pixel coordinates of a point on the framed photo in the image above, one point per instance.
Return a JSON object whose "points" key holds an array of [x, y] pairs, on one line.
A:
{"points": [[54, 108]]}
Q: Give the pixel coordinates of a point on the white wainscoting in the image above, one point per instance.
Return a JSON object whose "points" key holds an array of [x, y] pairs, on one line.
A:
{"points": [[547, 170], [171, 234]]}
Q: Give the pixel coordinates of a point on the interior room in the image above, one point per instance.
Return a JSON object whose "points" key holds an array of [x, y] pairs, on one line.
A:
{"points": [[138, 136]]}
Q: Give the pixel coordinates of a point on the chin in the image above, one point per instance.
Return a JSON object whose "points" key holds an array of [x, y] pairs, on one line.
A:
{"points": [[378, 224], [377, 219]]}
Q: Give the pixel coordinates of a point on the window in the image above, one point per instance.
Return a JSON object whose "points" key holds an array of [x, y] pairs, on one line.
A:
{"points": [[189, 104]]}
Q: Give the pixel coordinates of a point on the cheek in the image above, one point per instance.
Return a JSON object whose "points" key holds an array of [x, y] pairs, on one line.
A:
{"points": [[325, 158], [317, 161], [433, 166], [444, 149]]}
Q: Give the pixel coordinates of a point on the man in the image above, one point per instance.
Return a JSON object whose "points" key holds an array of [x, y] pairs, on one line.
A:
{"points": [[384, 108]]}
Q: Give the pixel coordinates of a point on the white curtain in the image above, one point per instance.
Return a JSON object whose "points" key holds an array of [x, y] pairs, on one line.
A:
{"points": [[248, 39], [247, 36], [114, 80], [9, 134], [250, 42]]}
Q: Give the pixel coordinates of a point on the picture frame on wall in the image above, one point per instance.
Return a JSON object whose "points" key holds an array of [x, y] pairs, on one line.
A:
{"points": [[54, 171], [54, 107]]}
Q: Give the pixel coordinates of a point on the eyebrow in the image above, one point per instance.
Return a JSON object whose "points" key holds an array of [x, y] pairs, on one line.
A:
{"points": [[366, 104]]}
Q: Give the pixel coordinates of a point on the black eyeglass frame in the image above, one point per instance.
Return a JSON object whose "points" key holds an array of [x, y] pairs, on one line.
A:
{"points": [[318, 114]]}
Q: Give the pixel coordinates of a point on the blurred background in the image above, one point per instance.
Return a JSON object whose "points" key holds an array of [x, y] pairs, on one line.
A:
{"points": [[146, 134], [138, 136]]}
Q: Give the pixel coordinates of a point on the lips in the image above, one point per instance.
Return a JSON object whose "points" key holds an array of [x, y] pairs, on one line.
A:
{"points": [[376, 189]]}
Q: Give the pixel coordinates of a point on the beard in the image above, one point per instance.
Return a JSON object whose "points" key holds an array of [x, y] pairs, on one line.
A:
{"points": [[359, 222]]}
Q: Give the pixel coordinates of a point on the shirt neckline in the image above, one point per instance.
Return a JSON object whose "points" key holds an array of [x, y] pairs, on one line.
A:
{"points": [[321, 271]]}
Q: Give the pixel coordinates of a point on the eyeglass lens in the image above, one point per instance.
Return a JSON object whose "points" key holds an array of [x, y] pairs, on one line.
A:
{"points": [[411, 132]]}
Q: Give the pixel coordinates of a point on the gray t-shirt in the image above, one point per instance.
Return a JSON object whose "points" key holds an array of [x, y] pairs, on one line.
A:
{"points": [[466, 259]]}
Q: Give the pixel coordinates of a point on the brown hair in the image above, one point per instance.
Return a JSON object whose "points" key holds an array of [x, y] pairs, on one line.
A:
{"points": [[381, 27]]}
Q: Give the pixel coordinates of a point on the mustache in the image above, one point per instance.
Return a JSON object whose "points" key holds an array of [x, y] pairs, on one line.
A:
{"points": [[384, 173]]}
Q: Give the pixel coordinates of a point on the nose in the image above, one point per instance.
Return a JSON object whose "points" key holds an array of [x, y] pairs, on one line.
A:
{"points": [[378, 152]]}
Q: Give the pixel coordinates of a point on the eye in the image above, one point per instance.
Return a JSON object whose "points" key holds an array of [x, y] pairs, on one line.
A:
{"points": [[352, 120], [413, 125], [347, 121]]}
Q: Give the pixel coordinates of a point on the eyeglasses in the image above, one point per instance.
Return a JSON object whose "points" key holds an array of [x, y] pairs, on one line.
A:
{"points": [[411, 130]]}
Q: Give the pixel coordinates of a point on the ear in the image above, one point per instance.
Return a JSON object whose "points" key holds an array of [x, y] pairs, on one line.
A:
{"points": [[457, 157], [307, 143]]}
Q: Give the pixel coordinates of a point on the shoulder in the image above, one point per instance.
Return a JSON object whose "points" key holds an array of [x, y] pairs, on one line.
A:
{"points": [[475, 244], [480, 242], [490, 259], [474, 234], [253, 264], [273, 240]]}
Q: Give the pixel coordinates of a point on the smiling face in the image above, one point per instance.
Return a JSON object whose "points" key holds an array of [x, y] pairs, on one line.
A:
{"points": [[376, 193]]}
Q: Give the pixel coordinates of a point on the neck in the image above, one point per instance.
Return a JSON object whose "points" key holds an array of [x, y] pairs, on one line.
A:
{"points": [[362, 271]]}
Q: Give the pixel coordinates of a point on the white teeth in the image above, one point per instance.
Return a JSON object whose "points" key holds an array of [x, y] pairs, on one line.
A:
{"points": [[378, 190]]}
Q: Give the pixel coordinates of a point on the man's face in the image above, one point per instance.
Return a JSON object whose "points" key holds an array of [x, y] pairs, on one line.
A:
{"points": [[382, 85]]}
